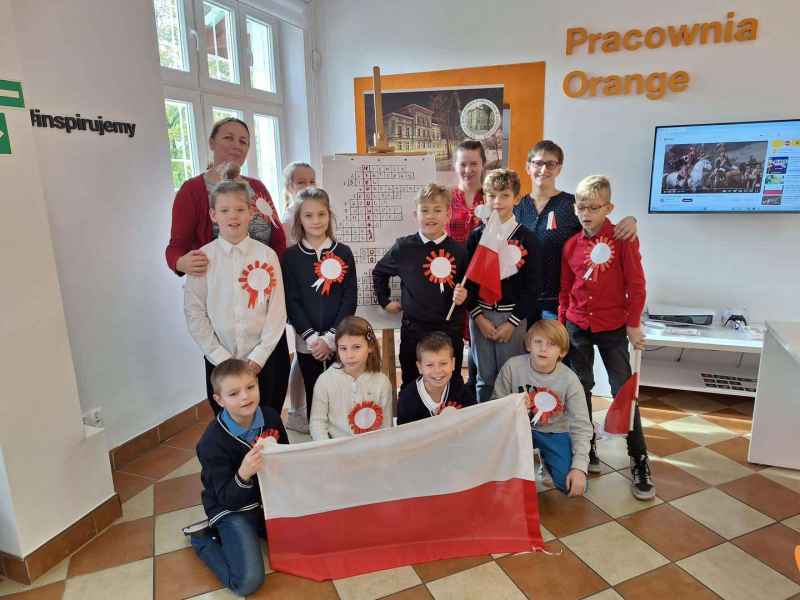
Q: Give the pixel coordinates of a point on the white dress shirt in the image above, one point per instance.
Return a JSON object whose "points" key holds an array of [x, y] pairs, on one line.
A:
{"points": [[336, 394], [216, 305]]}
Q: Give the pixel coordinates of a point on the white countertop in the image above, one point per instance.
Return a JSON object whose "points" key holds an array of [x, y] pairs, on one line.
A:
{"points": [[787, 333], [710, 338]]}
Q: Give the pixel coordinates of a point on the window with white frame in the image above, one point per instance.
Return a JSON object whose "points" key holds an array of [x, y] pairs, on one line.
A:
{"points": [[219, 58]]}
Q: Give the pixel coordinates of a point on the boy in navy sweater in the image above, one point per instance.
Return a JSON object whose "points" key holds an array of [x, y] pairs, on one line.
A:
{"points": [[497, 331], [429, 264], [230, 456], [436, 388]]}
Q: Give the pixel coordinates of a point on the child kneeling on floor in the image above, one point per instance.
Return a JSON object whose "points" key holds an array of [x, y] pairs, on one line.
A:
{"points": [[230, 456], [564, 434]]}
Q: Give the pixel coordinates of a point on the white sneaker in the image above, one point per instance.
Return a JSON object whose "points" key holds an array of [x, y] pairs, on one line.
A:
{"points": [[296, 421]]}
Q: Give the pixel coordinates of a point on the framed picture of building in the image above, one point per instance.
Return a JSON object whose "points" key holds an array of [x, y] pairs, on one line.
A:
{"points": [[433, 111], [438, 120]]}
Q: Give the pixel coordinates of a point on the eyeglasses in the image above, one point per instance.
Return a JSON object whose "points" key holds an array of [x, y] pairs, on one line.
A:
{"points": [[550, 164], [589, 209]]}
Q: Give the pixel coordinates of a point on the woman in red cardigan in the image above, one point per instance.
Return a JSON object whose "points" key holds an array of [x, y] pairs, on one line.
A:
{"points": [[192, 229]]}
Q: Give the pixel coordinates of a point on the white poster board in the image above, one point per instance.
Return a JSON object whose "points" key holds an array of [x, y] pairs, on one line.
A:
{"points": [[372, 197]]}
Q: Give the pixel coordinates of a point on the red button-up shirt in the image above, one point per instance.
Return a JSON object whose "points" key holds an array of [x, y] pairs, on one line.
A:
{"points": [[462, 218], [614, 293]]}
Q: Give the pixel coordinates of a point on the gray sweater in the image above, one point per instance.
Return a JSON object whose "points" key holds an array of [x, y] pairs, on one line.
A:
{"points": [[517, 375]]}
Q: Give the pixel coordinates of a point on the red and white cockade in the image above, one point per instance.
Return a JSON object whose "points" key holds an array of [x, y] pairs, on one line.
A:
{"points": [[546, 403], [258, 280], [517, 252], [365, 416], [329, 270], [599, 257], [440, 267]]}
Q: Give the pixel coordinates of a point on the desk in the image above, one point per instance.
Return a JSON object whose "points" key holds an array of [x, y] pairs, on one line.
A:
{"points": [[686, 374], [776, 416]]}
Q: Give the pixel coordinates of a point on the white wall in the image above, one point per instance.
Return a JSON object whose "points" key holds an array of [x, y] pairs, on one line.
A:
{"points": [[109, 201], [50, 475], [715, 261]]}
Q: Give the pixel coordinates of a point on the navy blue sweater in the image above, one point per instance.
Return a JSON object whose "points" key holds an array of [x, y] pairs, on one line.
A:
{"points": [[221, 454], [309, 310], [521, 290], [422, 299], [410, 406]]}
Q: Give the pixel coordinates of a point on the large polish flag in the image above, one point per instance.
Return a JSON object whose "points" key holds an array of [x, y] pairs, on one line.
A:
{"points": [[458, 484], [484, 268]]}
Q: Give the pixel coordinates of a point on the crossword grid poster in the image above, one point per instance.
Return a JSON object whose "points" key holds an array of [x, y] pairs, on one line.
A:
{"points": [[373, 200]]}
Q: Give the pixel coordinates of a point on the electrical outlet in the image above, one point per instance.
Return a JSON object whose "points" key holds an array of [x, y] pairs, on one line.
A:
{"points": [[93, 417]]}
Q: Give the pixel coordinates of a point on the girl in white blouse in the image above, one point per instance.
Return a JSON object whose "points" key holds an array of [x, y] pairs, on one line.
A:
{"points": [[352, 396]]}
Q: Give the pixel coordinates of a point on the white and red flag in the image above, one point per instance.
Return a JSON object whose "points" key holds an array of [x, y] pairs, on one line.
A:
{"points": [[460, 484], [484, 268], [619, 418]]}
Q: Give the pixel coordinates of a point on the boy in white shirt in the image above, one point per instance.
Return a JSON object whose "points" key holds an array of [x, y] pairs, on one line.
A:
{"points": [[237, 310]]}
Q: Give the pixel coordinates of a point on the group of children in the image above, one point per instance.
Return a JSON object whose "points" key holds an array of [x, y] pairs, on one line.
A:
{"points": [[239, 309]]}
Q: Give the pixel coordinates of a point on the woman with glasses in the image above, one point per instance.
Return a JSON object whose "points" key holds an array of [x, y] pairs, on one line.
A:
{"points": [[550, 214]]}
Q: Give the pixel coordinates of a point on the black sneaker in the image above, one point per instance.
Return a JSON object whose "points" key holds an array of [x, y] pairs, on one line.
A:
{"points": [[642, 486], [201, 527], [594, 461]]}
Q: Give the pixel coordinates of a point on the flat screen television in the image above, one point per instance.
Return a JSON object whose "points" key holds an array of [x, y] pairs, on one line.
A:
{"points": [[748, 167]]}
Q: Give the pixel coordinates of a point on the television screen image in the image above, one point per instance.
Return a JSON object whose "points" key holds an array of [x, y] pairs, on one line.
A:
{"points": [[726, 167]]}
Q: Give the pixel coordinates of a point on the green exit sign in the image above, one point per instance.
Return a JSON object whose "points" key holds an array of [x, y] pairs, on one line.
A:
{"points": [[5, 141], [11, 94]]}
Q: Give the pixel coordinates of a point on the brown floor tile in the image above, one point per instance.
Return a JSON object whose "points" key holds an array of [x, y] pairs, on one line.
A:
{"points": [[666, 583], [563, 516], [659, 412], [646, 392], [158, 462], [773, 545], [133, 449], [108, 512], [128, 485], [671, 482], [178, 493], [54, 591], [416, 593], [765, 495], [564, 577], [280, 586], [670, 532], [181, 575], [731, 419], [736, 449], [663, 442], [442, 568], [188, 438], [121, 544], [204, 412], [746, 407]]}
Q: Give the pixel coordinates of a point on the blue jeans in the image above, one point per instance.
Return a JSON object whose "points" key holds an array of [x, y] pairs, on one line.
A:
{"points": [[236, 557], [556, 452], [549, 315]]}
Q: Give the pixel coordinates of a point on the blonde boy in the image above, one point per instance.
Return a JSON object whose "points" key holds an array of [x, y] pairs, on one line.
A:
{"points": [[563, 435], [429, 264]]}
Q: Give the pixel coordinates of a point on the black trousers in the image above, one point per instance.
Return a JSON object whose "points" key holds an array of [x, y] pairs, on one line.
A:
{"points": [[613, 347], [311, 368], [273, 379], [411, 332]]}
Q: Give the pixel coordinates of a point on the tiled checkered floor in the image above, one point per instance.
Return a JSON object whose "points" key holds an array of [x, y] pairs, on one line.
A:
{"points": [[720, 527]]}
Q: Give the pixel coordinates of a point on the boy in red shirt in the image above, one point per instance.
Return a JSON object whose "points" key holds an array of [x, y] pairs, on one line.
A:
{"points": [[601, 301]]}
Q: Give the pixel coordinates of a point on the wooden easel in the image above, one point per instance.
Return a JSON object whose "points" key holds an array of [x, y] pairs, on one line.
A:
{"points": [[381, 146]]}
